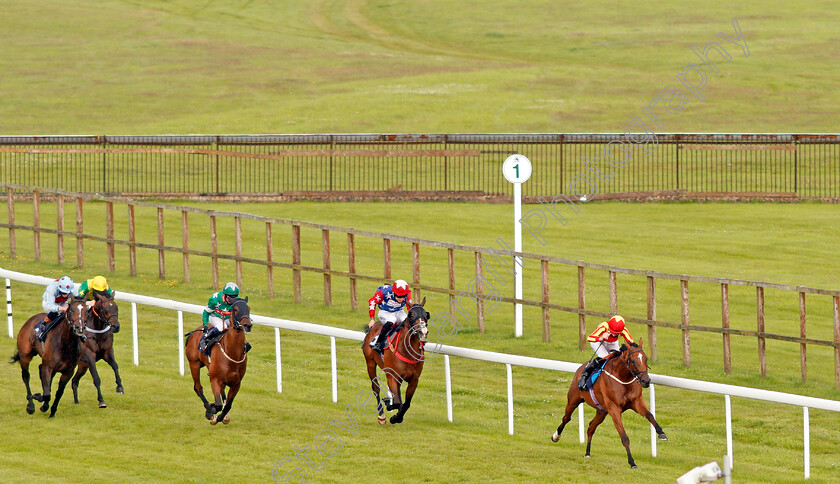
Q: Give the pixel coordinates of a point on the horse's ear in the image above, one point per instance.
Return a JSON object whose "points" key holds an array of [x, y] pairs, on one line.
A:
{"points": [[427, 315], [246, 299], [641, 340], [423, 302]]}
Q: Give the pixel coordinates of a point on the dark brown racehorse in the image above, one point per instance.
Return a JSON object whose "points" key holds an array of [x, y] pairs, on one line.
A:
{"points": [[402, 361], [618, 388], [101, 324], [227, 362], [59, 353]]}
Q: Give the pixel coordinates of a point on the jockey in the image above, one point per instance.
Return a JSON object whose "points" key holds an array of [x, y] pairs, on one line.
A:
{"points": [[604, 341], [391, 300], [217, 314], [94, 287], [55, 303]]}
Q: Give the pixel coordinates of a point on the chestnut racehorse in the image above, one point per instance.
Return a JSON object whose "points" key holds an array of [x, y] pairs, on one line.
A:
{"points": [[59, 353], [402, 361], [226, 365], [618, 388], [101, 325]]}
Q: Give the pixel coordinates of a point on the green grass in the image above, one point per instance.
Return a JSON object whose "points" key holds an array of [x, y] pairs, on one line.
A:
{"points": [[147, 67], [160, 418]]}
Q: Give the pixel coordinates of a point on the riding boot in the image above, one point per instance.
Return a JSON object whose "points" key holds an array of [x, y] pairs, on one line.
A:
{"points": [[381, 339], [48, 325], [590, 367]]}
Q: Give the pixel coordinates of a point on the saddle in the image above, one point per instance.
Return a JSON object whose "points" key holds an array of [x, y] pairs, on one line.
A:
{"points": [[594, 374], [206, 343], [41, 328]]}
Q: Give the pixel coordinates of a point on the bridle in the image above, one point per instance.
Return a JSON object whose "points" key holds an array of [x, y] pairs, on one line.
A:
{"points": [[78, 329], [636, 374], [236, 321], [104, 320]]}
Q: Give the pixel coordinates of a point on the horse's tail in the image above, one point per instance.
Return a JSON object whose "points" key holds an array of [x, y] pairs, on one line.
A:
{"points": [[187, 337], [15, 357]]}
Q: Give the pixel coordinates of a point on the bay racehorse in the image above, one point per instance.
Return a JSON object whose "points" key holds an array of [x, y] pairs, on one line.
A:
{"points": [[227, 363], [101, 324], [618, 388], [59, 353], [402, 361]]}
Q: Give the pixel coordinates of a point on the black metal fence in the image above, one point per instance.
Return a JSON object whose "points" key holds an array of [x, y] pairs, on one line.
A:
{"points": [[803, 164]]}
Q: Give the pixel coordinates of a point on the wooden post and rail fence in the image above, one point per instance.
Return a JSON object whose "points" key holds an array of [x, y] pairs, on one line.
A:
{"points": [[481, 256]]}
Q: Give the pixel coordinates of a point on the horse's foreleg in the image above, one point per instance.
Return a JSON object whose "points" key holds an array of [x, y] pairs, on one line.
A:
{"points": [[394, 386], [224, 417], [46, 374], [216, 406], [600, 415], [62, 382], [80, 372], [109, 358], [409, 392], [97, 382], [640, 408], [571, 405], [625, 440]]}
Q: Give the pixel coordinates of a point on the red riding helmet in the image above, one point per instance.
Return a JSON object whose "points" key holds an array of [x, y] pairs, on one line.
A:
{"points": [[616, 324], [400, 287]]}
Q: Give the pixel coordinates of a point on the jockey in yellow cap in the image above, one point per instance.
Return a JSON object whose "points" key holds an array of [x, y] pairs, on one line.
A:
{"points": [[93, 287]]}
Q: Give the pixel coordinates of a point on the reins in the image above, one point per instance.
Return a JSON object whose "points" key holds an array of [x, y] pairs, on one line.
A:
{"points": [[627, 364]]}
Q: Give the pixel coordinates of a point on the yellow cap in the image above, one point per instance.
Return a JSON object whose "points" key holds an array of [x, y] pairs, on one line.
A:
{"points": [[99, 283]]}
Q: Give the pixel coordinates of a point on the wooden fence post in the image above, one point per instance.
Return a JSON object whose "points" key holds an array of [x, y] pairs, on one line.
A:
{"points": [[12, 241], [325, 251], [109, 234], [451, 281], [132, 249], [759, 311], [479, 289], [36, 214], [415, 259], [214, 250], [686, 334], [237, 228], [836, 340], [269, 257], [546, 323], [386, 256], [803, 362], [80, 223], [651, 315], [60, 227], [582, 305], [296, 261], [724, 316], [613, 294], [161, 266], [351, 260], [185, 242]]}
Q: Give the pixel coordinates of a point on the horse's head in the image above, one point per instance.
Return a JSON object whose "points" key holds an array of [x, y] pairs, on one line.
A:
{"points": [[241, 315], [76, 314], [105, 308], [418, 321], [636, 360]]}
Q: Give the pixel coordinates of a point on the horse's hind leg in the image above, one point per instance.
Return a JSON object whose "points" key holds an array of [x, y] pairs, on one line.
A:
{"points": [[640, 408], [109, 358], [195, 367], [74, 384], [24, 374], [374, 385], [62, 382], [215, 407], [97, 382], [571, 405], [46, 375], [600, 415]]}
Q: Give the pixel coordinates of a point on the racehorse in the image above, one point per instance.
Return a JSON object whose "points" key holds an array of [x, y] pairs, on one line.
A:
{"points": [[226, 365], [59, 353], [101, 324], [403, 359], [619, 388]]}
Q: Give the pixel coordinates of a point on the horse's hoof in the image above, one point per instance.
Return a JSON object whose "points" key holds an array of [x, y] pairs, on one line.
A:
{"points": [[52, 415], [120, 390], [395, 420], [213, 420], [44, 408], [382, 420], [103, 405], [226, 420], [555, 437], [663, 437], [634, 466], [30, 409], [587, 456]]}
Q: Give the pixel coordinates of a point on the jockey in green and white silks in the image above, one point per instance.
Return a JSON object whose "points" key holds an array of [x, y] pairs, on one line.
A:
{"points": [[217, 314]]}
